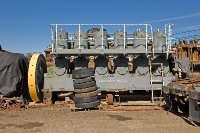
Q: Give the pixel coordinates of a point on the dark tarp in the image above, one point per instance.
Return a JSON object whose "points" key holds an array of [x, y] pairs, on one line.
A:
{"points": [[14, 76]]}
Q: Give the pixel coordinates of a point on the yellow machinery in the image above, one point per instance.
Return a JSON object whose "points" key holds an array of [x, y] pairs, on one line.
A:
{"points": [[37, 68]]}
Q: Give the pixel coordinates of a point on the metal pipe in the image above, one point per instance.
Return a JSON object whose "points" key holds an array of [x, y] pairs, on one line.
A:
{"points": [[166, 34], [102, 36], [146, 38], [152, 40], [100, 24], [166, 40], [79, 30], [169, 34], [110, 38], [52, 45], [56, 37], [124, 35]]}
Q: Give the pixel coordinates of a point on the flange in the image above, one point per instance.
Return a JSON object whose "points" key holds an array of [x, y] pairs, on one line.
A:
{"points": [[37, 68]]}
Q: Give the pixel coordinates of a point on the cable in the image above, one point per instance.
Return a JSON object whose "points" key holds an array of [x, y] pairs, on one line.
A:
{"points": [[180, 17], [188, 28]]}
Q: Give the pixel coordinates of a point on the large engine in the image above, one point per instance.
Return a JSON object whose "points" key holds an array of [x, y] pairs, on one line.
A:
{"points": [[128, 59]]}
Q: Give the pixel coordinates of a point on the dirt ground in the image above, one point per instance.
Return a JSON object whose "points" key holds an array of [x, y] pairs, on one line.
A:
{"points": [[63, 120]]}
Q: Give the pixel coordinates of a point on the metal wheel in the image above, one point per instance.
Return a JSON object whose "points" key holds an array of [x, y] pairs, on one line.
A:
{"points": [[110, 99], [37, 68]]}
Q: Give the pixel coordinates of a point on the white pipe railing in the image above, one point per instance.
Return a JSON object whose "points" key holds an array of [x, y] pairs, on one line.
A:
{"points": [[168, 36], [146, 38], [52, 45], [56, 36], [99, 24], [102, 25], [124, 35], [102, 36], [79, 30]]}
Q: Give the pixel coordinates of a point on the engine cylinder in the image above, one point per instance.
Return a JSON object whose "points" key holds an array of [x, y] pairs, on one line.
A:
{"points": [[83, 40], [98, 39], [119, 37], [159, 41], [62, 40], [139, 41]]}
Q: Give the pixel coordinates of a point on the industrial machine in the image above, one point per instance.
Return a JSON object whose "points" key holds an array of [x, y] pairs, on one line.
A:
{"points": [[189, 49], [111, 59], [123, 58], [183, 92]]}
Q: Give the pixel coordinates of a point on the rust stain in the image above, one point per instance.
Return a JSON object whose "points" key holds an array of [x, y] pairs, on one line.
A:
{"points": [[62, 89]]}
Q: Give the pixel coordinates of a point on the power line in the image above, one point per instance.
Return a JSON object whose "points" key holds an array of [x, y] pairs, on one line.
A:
{"points": [[186, 37], [183, 32], [187, 27], [174, 18], [180, 17]]}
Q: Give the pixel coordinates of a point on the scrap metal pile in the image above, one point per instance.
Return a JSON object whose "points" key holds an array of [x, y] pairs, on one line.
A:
{"points": [[190, 50], [176, 93], [11, 104], [184, 92]]}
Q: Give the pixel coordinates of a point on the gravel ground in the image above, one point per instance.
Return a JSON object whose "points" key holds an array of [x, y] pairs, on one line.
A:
{"points": [[63, 120]]}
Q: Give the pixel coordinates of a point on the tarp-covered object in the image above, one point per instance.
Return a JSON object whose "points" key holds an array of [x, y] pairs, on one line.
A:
{"points": [[14, 75], [184, 65]]}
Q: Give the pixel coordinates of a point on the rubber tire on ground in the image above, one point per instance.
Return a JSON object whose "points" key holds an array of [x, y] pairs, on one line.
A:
{"points": [[82, 70], [88, 94], [88, 105], [82, 75], [85, 90], [80, 81], [85, 100], [170, 101], [174, 103], [167, 100], [84, 85], [183, 107]]}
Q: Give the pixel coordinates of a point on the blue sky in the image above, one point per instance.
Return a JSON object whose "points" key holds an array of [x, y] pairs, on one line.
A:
{"points": [[25, 24]]}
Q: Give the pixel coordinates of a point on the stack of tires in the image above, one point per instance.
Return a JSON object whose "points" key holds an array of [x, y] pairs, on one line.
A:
{"points": [[85, 89]]}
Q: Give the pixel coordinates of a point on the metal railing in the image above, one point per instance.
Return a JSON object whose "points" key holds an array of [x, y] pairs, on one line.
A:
{"points": [[169, 38], [102, 29]]}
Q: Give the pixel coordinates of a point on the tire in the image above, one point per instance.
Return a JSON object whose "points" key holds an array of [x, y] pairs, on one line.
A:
{"points": [[85, 100], [82, 75], [167, 100], [85, 90], [170, 102], [84, 85], [86, 95], [86, 70], [173, 103], [88, 105], [184, 108], [80, 81]]}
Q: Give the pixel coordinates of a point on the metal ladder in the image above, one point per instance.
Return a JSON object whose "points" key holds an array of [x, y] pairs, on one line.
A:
{"points": [[161, 81]]}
